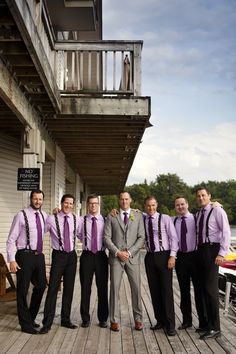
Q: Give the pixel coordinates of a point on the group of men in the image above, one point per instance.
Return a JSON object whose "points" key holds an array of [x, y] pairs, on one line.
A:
{"points": [[195, 245]]}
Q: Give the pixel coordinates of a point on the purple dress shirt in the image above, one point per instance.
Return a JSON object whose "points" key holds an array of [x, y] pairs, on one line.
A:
{"points": [[51, 227], [168, 233], [191, 237], [100, 231], [219, 229], [17, 236]]}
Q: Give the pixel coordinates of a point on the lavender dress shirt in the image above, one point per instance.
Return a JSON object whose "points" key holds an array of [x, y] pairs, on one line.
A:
{"points": [[100, 231], [191, 237]]}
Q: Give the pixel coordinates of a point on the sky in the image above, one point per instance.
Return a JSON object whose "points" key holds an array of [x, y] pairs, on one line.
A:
{"points": [[189, 70]]}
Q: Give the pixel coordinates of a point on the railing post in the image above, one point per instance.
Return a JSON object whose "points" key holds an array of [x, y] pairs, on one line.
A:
{"points": [[137, 69]]}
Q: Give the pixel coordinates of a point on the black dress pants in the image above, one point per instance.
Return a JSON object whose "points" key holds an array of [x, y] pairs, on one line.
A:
{"points": [[32, 271], [160, 285], [64, 265], [186, 270], [208, 271], [91, 264]]}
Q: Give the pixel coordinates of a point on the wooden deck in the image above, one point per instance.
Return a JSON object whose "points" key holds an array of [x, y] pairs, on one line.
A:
{"points": [[98, 340]]}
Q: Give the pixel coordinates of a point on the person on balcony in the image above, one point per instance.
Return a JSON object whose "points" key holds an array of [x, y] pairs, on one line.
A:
{"points": [[28, 262]]}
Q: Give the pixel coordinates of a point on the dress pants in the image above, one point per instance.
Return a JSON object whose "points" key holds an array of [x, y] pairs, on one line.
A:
{"points": [[91, 264], [32, 271], [186, 270], [160, 285], [64, 265], [208, 272]]}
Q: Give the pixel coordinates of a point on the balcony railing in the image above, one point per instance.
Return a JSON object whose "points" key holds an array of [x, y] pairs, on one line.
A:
{"points": [[99, 67]]}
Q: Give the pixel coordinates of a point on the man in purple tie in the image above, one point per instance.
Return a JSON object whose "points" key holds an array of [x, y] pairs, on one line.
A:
{"points": [[213, 238], [63, 230], [162, 247], [186, 265], [28, 262], [93, 261]]}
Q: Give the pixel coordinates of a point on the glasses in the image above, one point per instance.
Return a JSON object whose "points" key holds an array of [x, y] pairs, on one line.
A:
{"points": [[93, 203]]}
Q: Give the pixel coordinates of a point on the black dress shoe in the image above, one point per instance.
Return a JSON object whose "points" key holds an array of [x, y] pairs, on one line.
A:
{"points": [[29, 330], [158, 325], [44, 330], [103, 324], [185, 325], [210, 334], [85, 324], [36, 325], [201, 329], [171, 332], [68, 325]]}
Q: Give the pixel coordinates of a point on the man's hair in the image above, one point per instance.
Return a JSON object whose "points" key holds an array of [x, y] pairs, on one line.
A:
{"points": [[181, 196], [67, 195], [201, 188], [122, 192], [92, 196], [150, 197], [37, 191]]}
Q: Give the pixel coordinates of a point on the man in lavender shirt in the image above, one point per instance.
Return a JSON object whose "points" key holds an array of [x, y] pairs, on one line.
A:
{"points": [[63, 229], [28, 262], [162, 247], [93, 261], [186, 265], [213, 237]]}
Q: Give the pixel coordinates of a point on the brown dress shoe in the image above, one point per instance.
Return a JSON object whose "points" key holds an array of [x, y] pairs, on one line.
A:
{"points": [[138, 326], [115, 327]]}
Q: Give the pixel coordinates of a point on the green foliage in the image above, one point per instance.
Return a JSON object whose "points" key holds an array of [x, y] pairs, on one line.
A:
{"points": [[166, 187]]}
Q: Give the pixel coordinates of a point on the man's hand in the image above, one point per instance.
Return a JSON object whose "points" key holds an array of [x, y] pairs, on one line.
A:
{"points": [[56, 211], [14, 267], [171, 262], [219, 260], [123, 255], [113, 212], [216, 204]]}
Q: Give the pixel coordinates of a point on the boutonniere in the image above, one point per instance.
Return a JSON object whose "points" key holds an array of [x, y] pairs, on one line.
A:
{"points": [[131, 217]]}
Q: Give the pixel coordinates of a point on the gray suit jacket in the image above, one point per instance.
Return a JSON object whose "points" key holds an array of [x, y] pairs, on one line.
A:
{"points": [[118, 236]]}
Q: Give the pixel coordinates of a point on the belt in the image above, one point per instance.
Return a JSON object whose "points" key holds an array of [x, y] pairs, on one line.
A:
{"points": [[26, 250]]}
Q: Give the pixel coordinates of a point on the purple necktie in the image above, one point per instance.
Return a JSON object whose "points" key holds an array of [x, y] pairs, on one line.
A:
{"points": [[151, 236], [183, 241], [39, 233], [94, 232], [125, 218], [66, 234], [200, 227]]}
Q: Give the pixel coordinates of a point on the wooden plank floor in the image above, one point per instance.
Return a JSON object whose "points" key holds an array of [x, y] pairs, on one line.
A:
{"points": [[98, 340]]}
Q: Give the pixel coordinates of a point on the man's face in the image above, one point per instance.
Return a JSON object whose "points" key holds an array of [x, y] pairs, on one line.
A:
{"points": [[125, 201], [150, 206], [67, 205], [36, 201], [203, 198], [181, 206], [93, 206]]}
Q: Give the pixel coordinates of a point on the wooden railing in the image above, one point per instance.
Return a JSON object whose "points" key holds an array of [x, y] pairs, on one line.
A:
{"points": [[99, 67]]}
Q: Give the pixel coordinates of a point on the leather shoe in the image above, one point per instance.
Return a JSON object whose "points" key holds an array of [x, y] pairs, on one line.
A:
{"points": [[29, 330], [138, 326], [103, 324], [68, 325], [201, 329], [44, 330], [158, 325], [185, 325], [171, 332], [85, 324], [210, 334], [36, 325], [115, 327]]}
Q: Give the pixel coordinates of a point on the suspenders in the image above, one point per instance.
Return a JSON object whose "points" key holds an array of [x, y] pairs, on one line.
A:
{"points": [[159, 233], [207, 224], [59, 231], [27, 228], [85, 233]]}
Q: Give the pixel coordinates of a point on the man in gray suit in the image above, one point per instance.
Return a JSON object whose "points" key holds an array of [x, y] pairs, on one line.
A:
{"points": [[124, 236]]}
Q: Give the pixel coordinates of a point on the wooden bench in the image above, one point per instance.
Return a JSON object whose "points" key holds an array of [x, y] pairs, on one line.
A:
{"points": [[6, 294]]}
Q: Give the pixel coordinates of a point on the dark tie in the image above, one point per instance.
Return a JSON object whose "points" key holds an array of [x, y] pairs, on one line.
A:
{"points": [[39, 233], [183, 241], [200, 227], [94, 233], [151, 235], [66, 234], [125, 218]]}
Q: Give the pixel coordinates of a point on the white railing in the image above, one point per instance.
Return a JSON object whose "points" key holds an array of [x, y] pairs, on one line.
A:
{"points": [[99, 67]]}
